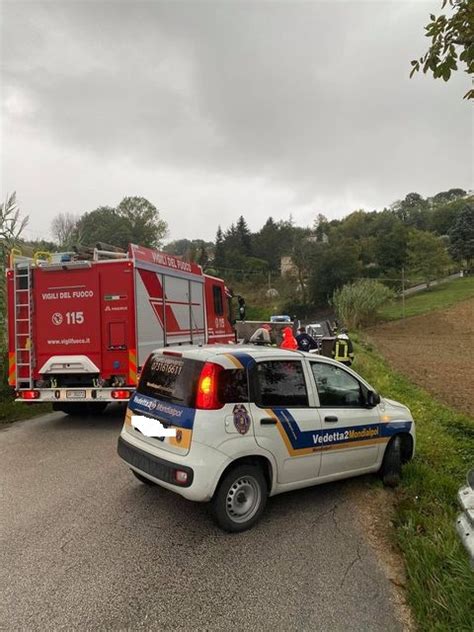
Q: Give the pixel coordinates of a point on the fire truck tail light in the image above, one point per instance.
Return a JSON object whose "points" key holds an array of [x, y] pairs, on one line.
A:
{"points": [[29, 394], [207, 391], [121, 394]]}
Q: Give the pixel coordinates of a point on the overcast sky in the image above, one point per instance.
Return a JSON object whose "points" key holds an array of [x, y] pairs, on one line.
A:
{"points": [[215, 109]]}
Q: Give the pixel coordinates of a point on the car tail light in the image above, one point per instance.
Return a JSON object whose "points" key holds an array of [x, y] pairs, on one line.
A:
{"points": [[207, 396], [121, 394], [181, 477], [173, 353], [29, 394]]}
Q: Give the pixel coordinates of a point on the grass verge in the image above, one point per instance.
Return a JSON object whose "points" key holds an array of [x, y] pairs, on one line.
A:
{"points": [[15, 411], [438, 297], [440, 586]]}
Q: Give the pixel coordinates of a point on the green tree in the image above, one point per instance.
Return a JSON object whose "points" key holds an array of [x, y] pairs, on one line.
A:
{"points": [[135, 220], [104, 224], [444, 215], [219, 250], [357, 225], [244, 237], [321, 227], [427, 255], [448, 196], [452, 40], [178, 247], [462, 236], [146, 226], [268, 243], [203, 257], [302, 254], [256, 266], [192, 253], [185, 247], [413, 211], [391, 247], [333, 265]]}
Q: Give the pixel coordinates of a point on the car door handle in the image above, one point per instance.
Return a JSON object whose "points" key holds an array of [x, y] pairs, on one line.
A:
{"points": [[331, 418], [268, 421]]}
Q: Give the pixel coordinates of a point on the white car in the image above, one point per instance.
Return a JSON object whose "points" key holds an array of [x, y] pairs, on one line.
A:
{"points": [[250, 422], [280, 318]]}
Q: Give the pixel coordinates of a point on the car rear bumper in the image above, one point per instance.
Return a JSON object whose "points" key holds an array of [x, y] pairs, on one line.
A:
{"points": [[148, 464], [204, 466], [76, 395]]}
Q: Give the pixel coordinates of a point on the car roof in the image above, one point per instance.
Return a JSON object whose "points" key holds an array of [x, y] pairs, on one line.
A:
{"points": [[207, 353], [232, 356]]}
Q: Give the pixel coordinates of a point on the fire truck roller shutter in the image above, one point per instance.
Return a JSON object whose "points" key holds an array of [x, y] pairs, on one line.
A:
{"points": [[197, 312], [177, 305], [150, 312]]}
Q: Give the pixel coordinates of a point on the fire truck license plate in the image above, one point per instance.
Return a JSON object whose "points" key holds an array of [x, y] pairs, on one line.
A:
{"points": [[75, 394]]}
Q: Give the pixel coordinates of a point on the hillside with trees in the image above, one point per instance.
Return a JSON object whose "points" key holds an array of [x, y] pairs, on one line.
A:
{"points": [[414, 240], [293, 268]]}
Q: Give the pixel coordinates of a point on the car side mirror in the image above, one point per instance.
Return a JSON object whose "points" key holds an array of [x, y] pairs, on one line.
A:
{"points": [[372, 399]]}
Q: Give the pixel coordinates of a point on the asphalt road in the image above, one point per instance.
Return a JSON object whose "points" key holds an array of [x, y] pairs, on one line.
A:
{"points": [[423, 286], [85, 546]]}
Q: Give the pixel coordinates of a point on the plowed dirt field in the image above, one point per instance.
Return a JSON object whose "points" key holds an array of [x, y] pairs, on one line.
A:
{"points": [[436, 350]]}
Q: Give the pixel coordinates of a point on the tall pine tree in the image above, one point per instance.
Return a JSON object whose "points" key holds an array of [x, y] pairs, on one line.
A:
{"points": [[219, 252], [462, 236], [244, 237]]}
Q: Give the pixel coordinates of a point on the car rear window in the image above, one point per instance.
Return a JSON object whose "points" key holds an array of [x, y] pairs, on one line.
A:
{"points": [[173, 379]]}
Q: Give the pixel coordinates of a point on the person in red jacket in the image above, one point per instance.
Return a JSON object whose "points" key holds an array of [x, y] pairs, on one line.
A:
{"points": [[289, 341]]}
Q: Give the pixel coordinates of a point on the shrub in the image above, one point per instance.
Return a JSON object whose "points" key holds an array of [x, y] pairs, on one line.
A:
{"points": [[356, 304]]}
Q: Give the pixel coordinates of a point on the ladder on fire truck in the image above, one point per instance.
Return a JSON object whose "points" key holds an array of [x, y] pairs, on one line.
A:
{"points": [[22, 268], [23, 328]]}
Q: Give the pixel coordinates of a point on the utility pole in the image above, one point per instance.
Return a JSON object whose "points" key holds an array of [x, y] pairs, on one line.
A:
{"points": [[403, 292]]}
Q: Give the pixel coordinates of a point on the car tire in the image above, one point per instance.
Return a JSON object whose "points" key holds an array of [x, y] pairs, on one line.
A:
{"points": [[142, 479], [391, 469], [240, 498]]}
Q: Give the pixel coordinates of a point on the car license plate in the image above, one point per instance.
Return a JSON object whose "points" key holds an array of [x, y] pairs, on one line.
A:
{"points": [[75, 394]]}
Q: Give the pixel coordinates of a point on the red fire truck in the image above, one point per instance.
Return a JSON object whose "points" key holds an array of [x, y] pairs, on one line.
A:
{"points": [[80, 330]]}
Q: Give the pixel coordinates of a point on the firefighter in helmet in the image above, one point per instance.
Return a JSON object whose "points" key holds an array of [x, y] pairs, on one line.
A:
{"points": [[242, 307], [343, 350]]}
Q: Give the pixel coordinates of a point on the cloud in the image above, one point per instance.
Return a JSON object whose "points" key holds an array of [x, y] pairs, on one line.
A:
{"points": [[268, 105]]}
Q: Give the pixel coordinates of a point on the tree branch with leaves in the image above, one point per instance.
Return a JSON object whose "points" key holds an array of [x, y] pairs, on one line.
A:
{"points": [[452, 41]]}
